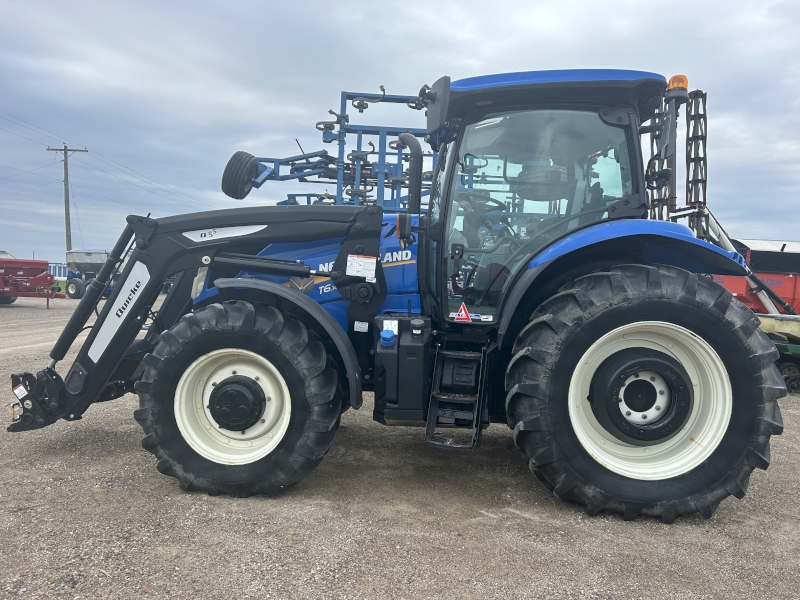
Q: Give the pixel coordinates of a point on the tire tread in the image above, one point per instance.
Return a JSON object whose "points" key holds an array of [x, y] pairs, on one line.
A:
{"points": [[536, 351], [308, 356]]}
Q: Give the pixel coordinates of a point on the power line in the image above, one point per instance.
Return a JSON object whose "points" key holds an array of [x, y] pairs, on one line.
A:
{"points": [[144, 178], [60, 138], [29, 129], [77, 218], [133, 184], [147, 179], [27, 189], [31, 171], [8, 167], [72, 185], [141, 175], [106, 197], [19, 135]]}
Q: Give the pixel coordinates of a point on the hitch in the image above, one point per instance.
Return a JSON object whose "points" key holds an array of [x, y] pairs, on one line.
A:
{"points": [[38, 396]]}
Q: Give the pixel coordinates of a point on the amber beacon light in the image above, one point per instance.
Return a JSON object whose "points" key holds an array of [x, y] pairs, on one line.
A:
{"points": [[678, 81]]}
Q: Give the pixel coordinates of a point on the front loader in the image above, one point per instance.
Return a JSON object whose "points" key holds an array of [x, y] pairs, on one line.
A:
{"points": [[534, 276]]}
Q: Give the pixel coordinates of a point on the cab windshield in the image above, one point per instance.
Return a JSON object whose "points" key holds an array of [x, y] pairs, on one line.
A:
{"points": [[522, 179]]}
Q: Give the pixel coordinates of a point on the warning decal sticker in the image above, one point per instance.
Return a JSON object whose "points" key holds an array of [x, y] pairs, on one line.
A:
{"points": [[464, 316], [361, 266]]}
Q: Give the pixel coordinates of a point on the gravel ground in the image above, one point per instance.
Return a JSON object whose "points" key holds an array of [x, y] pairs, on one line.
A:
{"points": [[85, 514]]}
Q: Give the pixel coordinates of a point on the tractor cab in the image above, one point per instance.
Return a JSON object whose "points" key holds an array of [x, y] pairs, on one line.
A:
{"points": [[525, 159]]}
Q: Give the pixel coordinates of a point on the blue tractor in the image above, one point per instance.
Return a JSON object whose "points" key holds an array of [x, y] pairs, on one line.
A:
{"points": [[525, 270]]}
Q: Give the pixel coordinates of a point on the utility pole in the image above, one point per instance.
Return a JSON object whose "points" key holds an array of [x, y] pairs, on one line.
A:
{"points": [[66, 150]]}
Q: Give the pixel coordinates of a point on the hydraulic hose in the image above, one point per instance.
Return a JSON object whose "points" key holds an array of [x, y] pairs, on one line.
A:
{"points": [[764, 293]]}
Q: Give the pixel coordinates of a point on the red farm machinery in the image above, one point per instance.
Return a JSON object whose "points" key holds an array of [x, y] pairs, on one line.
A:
{"points": [[20, 278]]}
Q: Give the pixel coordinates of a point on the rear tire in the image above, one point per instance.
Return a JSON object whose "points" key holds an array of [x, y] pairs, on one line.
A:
{"points": [[569, 409], [237, 179], [75, 288], [264, 445], [7, 300]]}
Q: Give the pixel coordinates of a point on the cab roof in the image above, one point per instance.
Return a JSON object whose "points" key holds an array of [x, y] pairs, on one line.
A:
{"points": [[555, 76], [613, 87]]}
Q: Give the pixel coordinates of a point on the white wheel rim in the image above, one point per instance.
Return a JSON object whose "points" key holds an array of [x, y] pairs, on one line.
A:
{"points": [[700, 435], [204, 434]]}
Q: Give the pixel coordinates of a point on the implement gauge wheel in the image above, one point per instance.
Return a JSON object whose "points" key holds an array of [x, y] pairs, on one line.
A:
{"points": [[238, 399], [75, 288], [237, 179], [644, 390]]}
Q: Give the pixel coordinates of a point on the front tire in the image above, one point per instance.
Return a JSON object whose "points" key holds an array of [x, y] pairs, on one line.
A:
{"points": [[238, 399], [644, 390]]}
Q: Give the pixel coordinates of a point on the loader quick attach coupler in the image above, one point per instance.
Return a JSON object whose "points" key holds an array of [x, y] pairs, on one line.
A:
{"points": [[38, 398]]}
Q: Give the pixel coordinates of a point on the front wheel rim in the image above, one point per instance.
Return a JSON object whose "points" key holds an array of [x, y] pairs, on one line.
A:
{"points": [[204, 435], [700, 435]]}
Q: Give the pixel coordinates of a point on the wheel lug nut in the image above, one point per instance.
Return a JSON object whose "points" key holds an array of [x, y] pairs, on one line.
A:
{"points": [[652, 379], [245, 431], [627, 413], [658, 407], [269, 398], [636, 375], [256, 378], [263, 420], [213, 383], [233, 372], [661, 392], [619, 400], [644, 416]]}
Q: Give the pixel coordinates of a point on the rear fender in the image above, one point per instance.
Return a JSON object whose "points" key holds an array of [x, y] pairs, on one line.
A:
{"points": [[602, 246], [311, 313]]}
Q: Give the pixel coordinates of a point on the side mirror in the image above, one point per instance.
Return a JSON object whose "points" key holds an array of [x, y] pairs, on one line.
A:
{"points": [[437, 100], [404, 230]]}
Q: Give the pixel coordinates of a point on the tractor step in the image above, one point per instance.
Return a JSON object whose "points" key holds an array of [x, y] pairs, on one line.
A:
{"points": [[457, 397]]}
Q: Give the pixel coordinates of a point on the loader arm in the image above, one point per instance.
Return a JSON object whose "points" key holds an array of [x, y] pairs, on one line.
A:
{"points": [[226, 241]]}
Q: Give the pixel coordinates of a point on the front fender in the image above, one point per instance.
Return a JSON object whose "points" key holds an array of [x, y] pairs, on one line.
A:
{"points": [[645, 242], [314, 311]]}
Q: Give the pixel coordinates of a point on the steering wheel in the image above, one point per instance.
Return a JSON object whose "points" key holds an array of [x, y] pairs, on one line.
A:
{"points": [[481, 199]]}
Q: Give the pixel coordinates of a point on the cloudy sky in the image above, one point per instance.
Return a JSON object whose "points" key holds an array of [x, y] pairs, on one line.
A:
{"points": [[162, 93]]}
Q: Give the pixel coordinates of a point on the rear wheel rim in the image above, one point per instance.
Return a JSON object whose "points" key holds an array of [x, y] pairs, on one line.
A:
{"points": [[700, 435], [207, 437]]}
